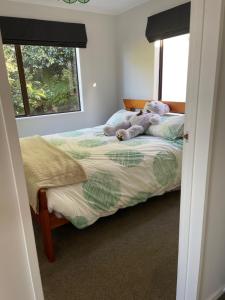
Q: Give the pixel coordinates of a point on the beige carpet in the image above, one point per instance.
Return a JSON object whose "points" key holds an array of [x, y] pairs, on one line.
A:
{"points": [[129, 256]]}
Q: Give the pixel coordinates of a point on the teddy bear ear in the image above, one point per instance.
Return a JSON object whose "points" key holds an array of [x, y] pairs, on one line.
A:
{"points": [[140, 113], [146, 107]]}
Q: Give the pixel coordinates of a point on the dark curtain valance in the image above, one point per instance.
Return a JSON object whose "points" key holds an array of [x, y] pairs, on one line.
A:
{"points": [[42, 33], [169, 23]]}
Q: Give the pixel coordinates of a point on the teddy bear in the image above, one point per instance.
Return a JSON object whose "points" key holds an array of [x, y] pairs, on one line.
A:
{"points": [[137, 124]]}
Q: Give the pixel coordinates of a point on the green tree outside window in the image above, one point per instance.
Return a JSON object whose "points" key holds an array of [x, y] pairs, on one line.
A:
{"points": [[51, 79]]}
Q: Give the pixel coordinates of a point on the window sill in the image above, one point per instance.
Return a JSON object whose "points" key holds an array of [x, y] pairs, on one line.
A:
{"points": [[56, 115]]}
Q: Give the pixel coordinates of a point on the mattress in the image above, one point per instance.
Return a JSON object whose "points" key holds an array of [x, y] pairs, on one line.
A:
{"points": [[120, 174]]}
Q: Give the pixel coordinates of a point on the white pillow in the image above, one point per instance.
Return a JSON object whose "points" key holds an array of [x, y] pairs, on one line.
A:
{"points": [[170, 127], [119, 117]]}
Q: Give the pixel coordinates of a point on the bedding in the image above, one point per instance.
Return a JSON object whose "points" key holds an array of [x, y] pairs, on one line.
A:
{"points": [[170, 127], [47, 166], [120, 174], [119, 117]]}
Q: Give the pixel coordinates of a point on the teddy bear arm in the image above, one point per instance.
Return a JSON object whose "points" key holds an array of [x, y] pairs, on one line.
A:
{"points": [[135, 130], [155, 119], [111, 130]]}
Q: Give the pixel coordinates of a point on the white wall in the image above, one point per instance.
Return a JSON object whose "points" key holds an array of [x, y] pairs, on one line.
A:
{"points": [[135, 70], [118, 58], [213, 276], [98, 64]]}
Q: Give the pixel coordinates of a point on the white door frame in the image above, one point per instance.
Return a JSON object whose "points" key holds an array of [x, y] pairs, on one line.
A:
{"points": [[28, 261], [205, 44]]}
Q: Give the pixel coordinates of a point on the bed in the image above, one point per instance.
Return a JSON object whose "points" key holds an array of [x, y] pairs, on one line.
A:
{"points": [[120, 174]]}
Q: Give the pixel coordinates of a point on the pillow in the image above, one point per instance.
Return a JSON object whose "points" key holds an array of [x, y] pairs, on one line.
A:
{"points": [[170, 127], [119, 116]]}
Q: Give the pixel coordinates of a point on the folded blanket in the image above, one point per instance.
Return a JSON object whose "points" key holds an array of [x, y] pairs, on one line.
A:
{"points": [[46, 166]]}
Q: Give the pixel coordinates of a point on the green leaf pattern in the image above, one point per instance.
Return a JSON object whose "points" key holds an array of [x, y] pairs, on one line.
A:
{"points": [[91, 143], [79, 221], [139, 198], [126, 158], [135, 142], [102, 191], [169, 127], [165, 167]]}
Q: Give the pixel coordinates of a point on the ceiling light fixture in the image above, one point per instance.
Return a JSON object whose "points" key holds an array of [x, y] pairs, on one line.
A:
{"points": [[74, 1]]}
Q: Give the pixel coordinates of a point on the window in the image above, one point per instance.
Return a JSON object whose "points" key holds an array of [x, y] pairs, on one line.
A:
{"points": [[43, 79], [173, 68]]}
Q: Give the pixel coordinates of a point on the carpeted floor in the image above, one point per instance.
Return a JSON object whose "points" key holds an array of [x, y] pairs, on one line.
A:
{"points": [[129, 256]]}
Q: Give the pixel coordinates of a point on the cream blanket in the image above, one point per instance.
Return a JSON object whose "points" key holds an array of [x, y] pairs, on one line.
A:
{"points": [[46, 166]]}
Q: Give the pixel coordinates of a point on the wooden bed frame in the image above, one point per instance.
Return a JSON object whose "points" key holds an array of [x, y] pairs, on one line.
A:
{"points": [[175, 107], [48, 221]]}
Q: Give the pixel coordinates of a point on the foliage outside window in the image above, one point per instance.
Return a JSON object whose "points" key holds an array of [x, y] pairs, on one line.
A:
{"points": [[43, 79]]}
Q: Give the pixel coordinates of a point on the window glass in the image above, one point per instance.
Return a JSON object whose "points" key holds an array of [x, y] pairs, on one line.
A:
{"points": [[175, 68], [51, 79], [14, 81]]}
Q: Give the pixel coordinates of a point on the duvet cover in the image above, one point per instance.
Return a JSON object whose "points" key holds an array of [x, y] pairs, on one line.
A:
{"points": [[120, 174]]}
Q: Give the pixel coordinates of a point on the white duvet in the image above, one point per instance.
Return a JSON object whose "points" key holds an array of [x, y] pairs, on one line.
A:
{"points": [[120, 174]]}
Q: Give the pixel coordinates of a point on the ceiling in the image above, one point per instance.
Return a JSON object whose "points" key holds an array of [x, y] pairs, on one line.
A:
{"points": [[113, 7]]}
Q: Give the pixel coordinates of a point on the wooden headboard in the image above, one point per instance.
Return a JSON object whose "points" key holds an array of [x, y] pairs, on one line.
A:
{"points": [[175, 107]]}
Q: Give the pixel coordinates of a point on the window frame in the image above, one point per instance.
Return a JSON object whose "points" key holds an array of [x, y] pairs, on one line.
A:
{"points": [[160, 84], [23, 86]]}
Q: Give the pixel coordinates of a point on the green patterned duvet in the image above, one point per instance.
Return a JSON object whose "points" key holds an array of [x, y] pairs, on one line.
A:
{"points": [[120, 174]]}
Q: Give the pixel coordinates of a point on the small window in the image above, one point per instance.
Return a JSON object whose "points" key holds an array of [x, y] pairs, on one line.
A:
{"points": [[173, 68], [43, 79]]}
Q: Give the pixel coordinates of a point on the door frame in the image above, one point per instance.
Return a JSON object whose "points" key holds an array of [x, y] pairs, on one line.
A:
{"points": [[205, 45], [9, 133]]}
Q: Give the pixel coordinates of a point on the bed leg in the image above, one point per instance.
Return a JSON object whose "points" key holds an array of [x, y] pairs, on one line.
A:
{"points": [[47, 236], [46, 226]]}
